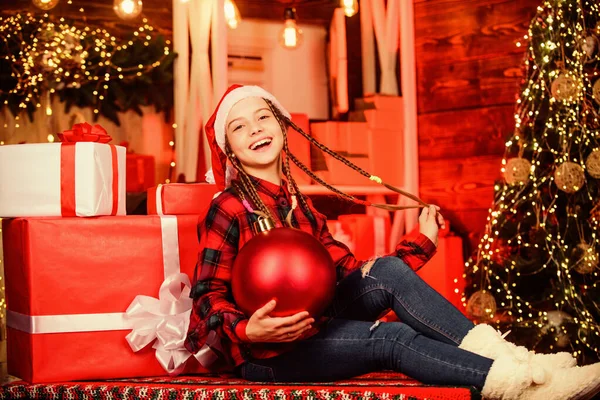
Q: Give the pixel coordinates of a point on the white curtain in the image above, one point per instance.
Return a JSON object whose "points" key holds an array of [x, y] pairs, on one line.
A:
{"points": [[385, 24], [195, 23]]}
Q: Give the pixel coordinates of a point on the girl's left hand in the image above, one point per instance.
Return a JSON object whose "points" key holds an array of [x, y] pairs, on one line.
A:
{"points": [[430, 222]]}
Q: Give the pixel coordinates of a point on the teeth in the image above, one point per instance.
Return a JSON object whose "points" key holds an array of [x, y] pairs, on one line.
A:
{"points": [[264, 141]]}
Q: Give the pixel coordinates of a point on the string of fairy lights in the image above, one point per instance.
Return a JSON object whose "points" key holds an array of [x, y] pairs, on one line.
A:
{"points": [[555, 144], [62, 55]]}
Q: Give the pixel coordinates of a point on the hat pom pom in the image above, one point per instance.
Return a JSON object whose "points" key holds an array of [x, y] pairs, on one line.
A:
{"points": [[210, 177]]}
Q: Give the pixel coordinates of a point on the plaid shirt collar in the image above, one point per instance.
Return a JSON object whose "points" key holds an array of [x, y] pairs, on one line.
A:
{"points": [[270, 189]]}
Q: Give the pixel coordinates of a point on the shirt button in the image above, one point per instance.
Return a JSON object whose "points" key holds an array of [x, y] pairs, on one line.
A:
{"points": [[283, 202]]}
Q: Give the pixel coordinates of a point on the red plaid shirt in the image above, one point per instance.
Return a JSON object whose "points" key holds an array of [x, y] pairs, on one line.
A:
{"points": [[225, 229]]}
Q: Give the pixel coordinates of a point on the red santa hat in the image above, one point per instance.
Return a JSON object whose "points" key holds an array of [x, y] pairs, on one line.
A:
{"points": [[215, 129]]}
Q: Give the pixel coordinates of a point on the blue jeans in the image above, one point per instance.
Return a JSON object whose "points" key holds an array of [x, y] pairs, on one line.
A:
{"points": [[423, 346]]}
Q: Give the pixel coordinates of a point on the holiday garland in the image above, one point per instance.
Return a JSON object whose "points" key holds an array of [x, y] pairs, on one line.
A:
{"points": [[42, 56]]}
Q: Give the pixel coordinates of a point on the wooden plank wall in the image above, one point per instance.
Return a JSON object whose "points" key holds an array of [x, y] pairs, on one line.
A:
{"points": [[468, 72]]}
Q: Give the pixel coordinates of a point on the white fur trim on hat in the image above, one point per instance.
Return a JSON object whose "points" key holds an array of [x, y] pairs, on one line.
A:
{"points": [[231, 99], [230, 173]]}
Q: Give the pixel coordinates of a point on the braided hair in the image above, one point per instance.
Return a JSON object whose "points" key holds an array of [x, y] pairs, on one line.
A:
{"points": [[246, 190]]}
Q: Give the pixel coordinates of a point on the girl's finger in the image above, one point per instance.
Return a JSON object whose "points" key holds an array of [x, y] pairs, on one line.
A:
{"points": [[291, 336], [432, 212], [441, 221], [424, 214]]}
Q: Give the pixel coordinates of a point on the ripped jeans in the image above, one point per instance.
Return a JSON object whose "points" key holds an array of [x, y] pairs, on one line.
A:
{"points": [[422, 346]]}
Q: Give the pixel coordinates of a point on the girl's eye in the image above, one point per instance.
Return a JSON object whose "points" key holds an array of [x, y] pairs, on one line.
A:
{"points": [[263, 117], [238, 127]]}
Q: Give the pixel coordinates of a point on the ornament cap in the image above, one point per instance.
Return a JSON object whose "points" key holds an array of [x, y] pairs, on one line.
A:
{"points": [[264, 224]]}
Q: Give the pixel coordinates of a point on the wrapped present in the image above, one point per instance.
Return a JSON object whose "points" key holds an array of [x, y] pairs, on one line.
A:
{"points": [[365, 235], [63, 179], [181, 198], [81, 295], [140, 173], [341, 138], [374, 150]]}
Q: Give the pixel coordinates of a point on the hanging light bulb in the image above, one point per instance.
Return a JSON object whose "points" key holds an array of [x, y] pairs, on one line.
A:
{"points": [[45, 4], [350, 7], [128, 9], [290, 36], [232, 14]]}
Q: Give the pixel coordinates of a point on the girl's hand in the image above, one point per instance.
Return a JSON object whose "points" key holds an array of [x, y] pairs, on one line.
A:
{"points": [[263, 328], [430, 221]]}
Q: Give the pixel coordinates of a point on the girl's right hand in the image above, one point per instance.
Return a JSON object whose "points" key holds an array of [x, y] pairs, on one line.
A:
{"points": [[263, 328]]}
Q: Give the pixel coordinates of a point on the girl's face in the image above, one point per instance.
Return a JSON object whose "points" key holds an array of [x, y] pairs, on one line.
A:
{"points": [[254, 134]]}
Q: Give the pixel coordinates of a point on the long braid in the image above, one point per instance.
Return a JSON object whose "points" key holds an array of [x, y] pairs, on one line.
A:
{"points": [[294, 190], [322, 147], [247, 186]]}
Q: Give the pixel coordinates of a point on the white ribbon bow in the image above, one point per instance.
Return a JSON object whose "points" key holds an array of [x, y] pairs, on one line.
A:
{"points": [[165, 320]]}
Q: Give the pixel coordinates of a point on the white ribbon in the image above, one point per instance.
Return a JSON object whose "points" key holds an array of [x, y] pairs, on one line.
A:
{"points": [[159, 205], [166, 319], [67, 322]]}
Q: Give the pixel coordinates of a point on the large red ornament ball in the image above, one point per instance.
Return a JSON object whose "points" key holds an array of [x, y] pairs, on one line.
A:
{"points": [[287, 264]]}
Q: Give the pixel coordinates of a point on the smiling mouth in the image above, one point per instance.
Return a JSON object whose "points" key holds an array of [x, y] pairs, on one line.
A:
{"points": [[261, 144]]}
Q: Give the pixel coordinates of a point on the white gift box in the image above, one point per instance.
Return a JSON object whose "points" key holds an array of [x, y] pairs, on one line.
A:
{"points": [[82, 179]]}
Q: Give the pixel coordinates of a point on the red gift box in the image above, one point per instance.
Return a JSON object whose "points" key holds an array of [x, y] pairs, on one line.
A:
{"points": [[374, 150], [365, 235], [444, 272], [70, 281], [181, 198], [140, 173]]}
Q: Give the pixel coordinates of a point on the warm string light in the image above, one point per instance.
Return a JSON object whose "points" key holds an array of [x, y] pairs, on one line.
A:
{"points": [[51, 55], [569, 126], [172, 164]]}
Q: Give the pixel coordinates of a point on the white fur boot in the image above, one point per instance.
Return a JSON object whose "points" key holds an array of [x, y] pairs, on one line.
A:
{"points": [[487, 342], [576, 383], [507, 379]]}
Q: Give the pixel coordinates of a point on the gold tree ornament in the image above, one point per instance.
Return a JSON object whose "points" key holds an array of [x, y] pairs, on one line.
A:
{"points": [[592, 164], [589, 45], [565, 87], [481, 305], [596, 91], [517, 171], [569, 177], [45, 4], [554, 324], [586, 259]]}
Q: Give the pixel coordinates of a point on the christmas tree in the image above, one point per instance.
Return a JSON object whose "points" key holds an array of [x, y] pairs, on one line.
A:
{"points": [[536, 270]]}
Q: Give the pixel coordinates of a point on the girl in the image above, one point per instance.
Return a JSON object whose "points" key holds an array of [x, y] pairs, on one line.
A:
{"points": [[434, 343]]}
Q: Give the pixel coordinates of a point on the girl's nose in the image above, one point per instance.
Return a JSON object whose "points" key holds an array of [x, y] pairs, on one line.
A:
{"points": [[255, 128]]}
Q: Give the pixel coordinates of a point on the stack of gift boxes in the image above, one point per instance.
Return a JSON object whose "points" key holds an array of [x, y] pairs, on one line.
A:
{"points": [[372, 139], [92, 293], [95, 294]]}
